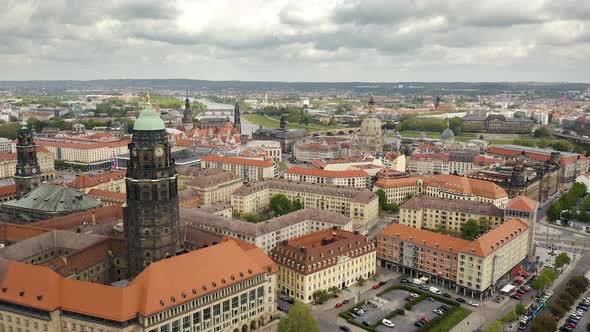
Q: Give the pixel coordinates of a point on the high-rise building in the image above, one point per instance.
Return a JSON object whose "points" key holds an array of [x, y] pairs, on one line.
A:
{"points": [[187, 115], [28, 172], [237, 121], [151, 210]]}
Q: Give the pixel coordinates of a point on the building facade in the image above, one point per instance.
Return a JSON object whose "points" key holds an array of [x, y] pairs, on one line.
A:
{"points": [[211, 184], [320, 260], [497, 123], [449, 214], [265, 235], [150, 213], [308, 151], [442, 186], [246, 169], [370, 139], [360, 205], [111, 181], [475, 268], [354, 178]]}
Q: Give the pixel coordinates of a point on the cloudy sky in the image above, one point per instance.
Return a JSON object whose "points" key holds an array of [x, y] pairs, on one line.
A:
{"points": [[296, 40]]}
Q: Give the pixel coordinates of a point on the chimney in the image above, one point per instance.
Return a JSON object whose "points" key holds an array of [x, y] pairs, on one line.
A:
{"points": [[93, 218]]}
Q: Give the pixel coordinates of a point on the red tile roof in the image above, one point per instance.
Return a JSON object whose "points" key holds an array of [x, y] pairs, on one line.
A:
{"points": [[109, 196], [15, 232], [328, 174], [238, 161], [102, 214], [8, 191], [87, 181], [85, 145], [483, 246], [522, 203], [162, 285]]}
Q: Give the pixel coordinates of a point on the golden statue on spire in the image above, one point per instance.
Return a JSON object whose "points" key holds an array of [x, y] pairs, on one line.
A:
{"points": [[148, 100]]}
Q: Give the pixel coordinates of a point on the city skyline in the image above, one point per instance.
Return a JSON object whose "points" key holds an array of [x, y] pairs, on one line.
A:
{"points": [[328, 41]]}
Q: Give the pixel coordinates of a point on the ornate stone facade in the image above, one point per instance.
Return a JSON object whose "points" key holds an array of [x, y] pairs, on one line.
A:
{"points": [[151, 210], [28, 172], [370, 139]]}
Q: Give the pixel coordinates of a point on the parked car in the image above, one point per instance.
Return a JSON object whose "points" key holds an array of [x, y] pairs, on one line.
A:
{"points": [[283, 297], [520, 291], [419, 323], [387, 323], [344, 328], [572, 325], [566, 329], [438, 311], [366, 324], [404, 281], [423, 287], [444, 308], [424, 319], [413, 295], [430, 299], [280, 308], [381, 283], [345, 301], [338, 305], [409, 298], [377, 286], [473, 304], [447, 295], [572, 320], [460, 300]]}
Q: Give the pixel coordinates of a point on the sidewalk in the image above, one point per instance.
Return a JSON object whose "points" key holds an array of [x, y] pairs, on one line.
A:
{"points": [[472, 322]]}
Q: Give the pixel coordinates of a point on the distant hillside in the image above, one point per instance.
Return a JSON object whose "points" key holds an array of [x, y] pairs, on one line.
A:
{"points": [[361, 88]]}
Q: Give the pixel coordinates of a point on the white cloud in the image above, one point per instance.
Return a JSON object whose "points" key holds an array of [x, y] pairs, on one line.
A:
{"points": [[328, 40]]}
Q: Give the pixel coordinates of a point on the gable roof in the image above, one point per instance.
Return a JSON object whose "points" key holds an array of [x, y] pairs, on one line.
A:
{"points": [[522, 203]]}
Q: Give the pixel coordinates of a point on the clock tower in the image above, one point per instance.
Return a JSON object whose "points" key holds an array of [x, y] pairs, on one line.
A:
{"points": [[28, 173], [150, 213]]}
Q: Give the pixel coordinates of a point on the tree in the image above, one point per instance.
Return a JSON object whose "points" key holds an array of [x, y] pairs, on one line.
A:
{"points": [[485, 224], [544, 323], [297, 205], [470, 230], [519, 309], [250, 217], [561, 260], [320, 296], [542, 132], [392, 207], [382, 199], [509, 317], [280, 204], [361, 281], [298, 319], [334, 290]]}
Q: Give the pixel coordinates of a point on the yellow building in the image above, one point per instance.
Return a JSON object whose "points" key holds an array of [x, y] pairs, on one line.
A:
{"points": [[211, 184], [360, 205], [352, 178], [451, 214], [444, 186], [111, 181], [320, 260], [89, 154], [246, 169]]}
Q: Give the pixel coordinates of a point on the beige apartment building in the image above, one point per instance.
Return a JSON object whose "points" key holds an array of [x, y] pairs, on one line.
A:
{"points": [[246, 169], [320, 260], [474, 268], [211, 184], [360, 205], [265, 235], [109, 181], [351, 178], [450, 214], [443, 186]]}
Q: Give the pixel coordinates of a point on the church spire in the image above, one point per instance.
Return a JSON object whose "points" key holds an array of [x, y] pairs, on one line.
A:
{"points": [[187, 116], [237, 121]]}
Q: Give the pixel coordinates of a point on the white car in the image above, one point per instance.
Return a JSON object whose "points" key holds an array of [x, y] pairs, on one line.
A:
{"points": [[536, 243], [413, 295], [550, 266], [473, 304], [438, 312], [387, 323]]}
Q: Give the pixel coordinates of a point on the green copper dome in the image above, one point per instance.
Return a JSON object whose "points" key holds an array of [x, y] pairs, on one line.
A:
{"points": [[149, 120]]}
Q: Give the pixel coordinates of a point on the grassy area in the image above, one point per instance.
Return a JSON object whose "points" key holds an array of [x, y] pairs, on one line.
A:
{"points": [[282, 166], [269, 122], [463, 137], [449, 321]]}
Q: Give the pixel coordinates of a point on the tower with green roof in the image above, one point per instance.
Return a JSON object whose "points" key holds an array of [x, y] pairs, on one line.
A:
{"points": [[28, 173], [150, 213]]}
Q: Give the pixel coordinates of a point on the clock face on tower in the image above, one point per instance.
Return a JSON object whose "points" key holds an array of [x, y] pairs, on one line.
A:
{"points": [[20, 171], [159, 151], [34, 170], [134, 151]]}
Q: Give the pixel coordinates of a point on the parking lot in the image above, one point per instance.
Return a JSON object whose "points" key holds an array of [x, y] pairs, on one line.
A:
{"points": [[395, 300], [406, 322]]}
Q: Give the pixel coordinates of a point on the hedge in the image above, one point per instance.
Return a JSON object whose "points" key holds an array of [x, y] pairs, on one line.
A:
{"points": [[346, 315]]}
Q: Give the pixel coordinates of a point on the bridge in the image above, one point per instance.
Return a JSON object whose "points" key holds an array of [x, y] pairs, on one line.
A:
{"points": [[577, 139], [335, 132]]}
